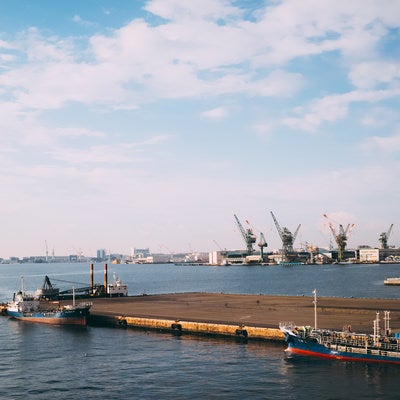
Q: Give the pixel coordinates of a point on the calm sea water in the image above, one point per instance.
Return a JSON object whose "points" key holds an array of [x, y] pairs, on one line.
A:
{"points": [[49, 362]]}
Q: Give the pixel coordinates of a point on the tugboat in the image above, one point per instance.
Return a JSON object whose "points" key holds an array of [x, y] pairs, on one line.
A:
{"points": [[382, 346], [30, 308]]}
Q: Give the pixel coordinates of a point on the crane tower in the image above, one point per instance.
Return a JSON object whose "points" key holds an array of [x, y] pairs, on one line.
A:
{"points": [[287, 238], [248, 236], [341, 237], [261, 244], [384, 237]]}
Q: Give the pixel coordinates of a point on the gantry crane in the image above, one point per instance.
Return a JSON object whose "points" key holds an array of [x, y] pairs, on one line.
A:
{"points": [[384, 237], [287, 238], [341, 237], [247, 235]]}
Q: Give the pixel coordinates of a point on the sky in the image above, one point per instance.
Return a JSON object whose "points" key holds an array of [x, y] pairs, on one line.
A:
{"points": [[131, 124]]}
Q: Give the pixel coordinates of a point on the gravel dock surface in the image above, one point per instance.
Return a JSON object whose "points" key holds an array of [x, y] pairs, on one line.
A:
{"points": [[253, 310]]}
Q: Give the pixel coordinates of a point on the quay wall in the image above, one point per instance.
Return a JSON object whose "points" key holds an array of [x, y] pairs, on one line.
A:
{"points": [[190, 327], [204, 328]]}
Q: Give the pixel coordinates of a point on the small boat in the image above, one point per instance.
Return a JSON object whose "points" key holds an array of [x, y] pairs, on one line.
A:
{"points": [[380, 347], [30, 308], [392, 281], [290, 263], [117, 288]]}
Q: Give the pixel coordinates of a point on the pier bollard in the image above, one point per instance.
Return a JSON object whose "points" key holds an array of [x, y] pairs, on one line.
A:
{"points": [[176, 328], [241, 333], [122, 323]]}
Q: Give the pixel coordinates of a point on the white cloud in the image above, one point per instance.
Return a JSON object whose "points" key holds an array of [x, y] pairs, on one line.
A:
{"points": [[127, 153], [139, 62], [334, 107], [177, 10], [387, 144], [79, 20], [7, 57], [216, 113], [368, 75], [379, 117]]}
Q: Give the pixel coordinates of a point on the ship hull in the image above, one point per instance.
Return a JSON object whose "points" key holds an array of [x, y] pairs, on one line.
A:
{"points": [[315, 349], [76, 317]]}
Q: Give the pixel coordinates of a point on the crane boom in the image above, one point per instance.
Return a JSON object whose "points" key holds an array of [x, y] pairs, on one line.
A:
{"points": [[296, 232], [248, 236], [242, 231], [278, 227], [389, 231]]}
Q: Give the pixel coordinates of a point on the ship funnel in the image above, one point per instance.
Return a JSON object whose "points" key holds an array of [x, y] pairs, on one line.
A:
{"points": [[105, 277], [91, 283]]}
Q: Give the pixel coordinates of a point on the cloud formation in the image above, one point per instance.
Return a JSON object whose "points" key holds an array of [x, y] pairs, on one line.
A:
{"points": [[178, 100]]}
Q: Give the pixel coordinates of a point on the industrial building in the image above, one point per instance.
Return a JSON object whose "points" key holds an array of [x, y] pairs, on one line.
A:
{"points": [[370, 255]]}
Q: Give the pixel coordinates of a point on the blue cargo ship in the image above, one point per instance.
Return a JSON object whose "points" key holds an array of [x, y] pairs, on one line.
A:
{"points": [[344, 346], [381, 346]]}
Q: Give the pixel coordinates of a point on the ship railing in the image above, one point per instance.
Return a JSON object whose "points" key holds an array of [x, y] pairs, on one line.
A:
{"points": [[359, 341], [390, 346], [347, 340], [287, 325]]}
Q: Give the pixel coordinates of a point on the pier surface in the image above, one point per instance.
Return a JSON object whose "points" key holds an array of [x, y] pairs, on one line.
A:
{"points": [[257, 316]]}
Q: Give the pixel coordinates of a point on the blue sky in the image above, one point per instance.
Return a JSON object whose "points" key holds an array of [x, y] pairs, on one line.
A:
{"points": [[151, 123]]}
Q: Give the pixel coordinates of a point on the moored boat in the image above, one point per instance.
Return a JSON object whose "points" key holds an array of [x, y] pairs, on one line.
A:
{"points": [[30, 308], [392, 281], [117, 288], [382, 346]]}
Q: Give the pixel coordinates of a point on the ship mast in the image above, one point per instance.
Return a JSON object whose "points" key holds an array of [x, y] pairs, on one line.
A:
{"points": [[315, 308]]}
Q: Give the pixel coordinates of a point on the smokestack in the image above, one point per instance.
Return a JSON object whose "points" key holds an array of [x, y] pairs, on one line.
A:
{"points": [[91, 284], [105, 277]]}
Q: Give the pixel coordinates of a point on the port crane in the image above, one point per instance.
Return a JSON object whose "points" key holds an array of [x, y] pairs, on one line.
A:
{"points": [[287, 238], [247, 235], [261, 244], [384, 237], [341, 237]]}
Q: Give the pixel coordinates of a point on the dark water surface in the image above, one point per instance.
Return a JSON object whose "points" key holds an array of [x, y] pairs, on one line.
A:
{"points": [[49, 362]]}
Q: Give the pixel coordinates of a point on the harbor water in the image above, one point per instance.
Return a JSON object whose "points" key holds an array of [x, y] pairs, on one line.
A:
{"points": [[51, 362]]}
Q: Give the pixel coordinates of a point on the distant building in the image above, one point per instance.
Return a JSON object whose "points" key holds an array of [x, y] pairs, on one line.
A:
{"points": [[368, 255], [141, 253], [217, 257], [101, 254], [371, 255]]}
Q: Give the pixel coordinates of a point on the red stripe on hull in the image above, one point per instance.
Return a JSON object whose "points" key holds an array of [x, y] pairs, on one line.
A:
{"points": [[54, 321], [338, 357]]}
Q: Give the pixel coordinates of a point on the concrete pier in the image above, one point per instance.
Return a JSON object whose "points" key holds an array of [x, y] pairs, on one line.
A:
{"points": [[234, 315]]}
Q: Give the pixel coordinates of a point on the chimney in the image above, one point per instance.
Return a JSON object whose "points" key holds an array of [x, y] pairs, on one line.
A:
{"points": [[105, 277], [91, 284]]}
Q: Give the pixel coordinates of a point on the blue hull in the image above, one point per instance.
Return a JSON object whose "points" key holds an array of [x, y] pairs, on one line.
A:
{"points": [[63, 317], [310, 347]]}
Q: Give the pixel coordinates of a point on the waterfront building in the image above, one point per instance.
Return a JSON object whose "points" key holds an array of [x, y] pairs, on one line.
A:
{"points": [[101, 254], [374, 255]]}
